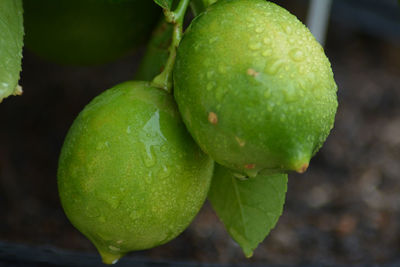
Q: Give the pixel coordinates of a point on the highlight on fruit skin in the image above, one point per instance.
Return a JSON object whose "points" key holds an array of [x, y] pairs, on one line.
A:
{"points": [[130, 176], [254, 87]]}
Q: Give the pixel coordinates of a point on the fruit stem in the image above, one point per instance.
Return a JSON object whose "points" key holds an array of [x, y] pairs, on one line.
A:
{"points": [[164, 79]]}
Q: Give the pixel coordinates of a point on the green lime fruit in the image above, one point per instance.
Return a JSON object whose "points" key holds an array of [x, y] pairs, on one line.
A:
{"points": [[254, 87], [130, 176], [86, 32]]}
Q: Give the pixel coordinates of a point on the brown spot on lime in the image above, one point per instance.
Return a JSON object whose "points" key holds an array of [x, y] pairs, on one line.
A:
{"points": [[240, 141], [252, 72], [250, 166], [302, 168], [212, 118]]}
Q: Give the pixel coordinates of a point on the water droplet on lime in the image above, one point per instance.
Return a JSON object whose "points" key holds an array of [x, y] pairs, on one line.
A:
{"points": [[255, 46], [296, 54]]}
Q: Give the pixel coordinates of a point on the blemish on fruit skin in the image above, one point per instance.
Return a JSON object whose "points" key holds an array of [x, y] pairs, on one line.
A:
{"points": [[252, 72], [250, 166], [213, 118], [240, 141]]}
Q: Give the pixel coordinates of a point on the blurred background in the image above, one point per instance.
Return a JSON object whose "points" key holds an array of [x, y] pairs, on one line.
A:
{"points": [[344, 210]]}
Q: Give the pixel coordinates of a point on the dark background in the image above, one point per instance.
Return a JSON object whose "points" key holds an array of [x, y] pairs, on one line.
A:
{"points": [[344, 210]]}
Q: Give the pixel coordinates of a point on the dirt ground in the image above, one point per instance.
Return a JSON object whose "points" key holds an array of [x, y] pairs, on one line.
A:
{"points": [[344, 209]]}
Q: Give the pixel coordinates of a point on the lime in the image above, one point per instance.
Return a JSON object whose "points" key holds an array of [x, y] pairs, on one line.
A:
{"points": [[87, 32], [130, 176], [254, 87]]}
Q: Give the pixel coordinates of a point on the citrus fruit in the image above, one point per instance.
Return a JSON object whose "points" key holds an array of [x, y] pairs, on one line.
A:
{"points": [[254, 87], [85, 32], [130, 176]]}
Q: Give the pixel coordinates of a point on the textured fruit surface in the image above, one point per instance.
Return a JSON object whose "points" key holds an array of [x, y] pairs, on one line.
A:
{"points": [[130, 176], [87, 31], [254, 87]]}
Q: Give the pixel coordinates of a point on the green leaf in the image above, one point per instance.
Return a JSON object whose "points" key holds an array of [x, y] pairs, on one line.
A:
{"points": [[11, 42], [249, 209], [199, 6], [165, 4]]}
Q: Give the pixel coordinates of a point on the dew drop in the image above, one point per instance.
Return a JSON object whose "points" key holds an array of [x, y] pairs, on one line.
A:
{"points": [[219, 93], [302, 70], [164, 172], [267, 40], [274, 67], [289, 96], [149, 159], [92, 212], [267, 52], [210, 86], [213, 40], [240, 176], [221, 69], [267, 93], [113, 202], [255, 46], [128, 130], [163, 148], [134, 215], [288, 29], [270, 107], [296, 54]]}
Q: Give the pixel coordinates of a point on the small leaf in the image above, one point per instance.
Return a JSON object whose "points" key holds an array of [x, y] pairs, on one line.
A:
{"points": [[249, 209], [199, 6], [165, 4], [11, 41]]}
